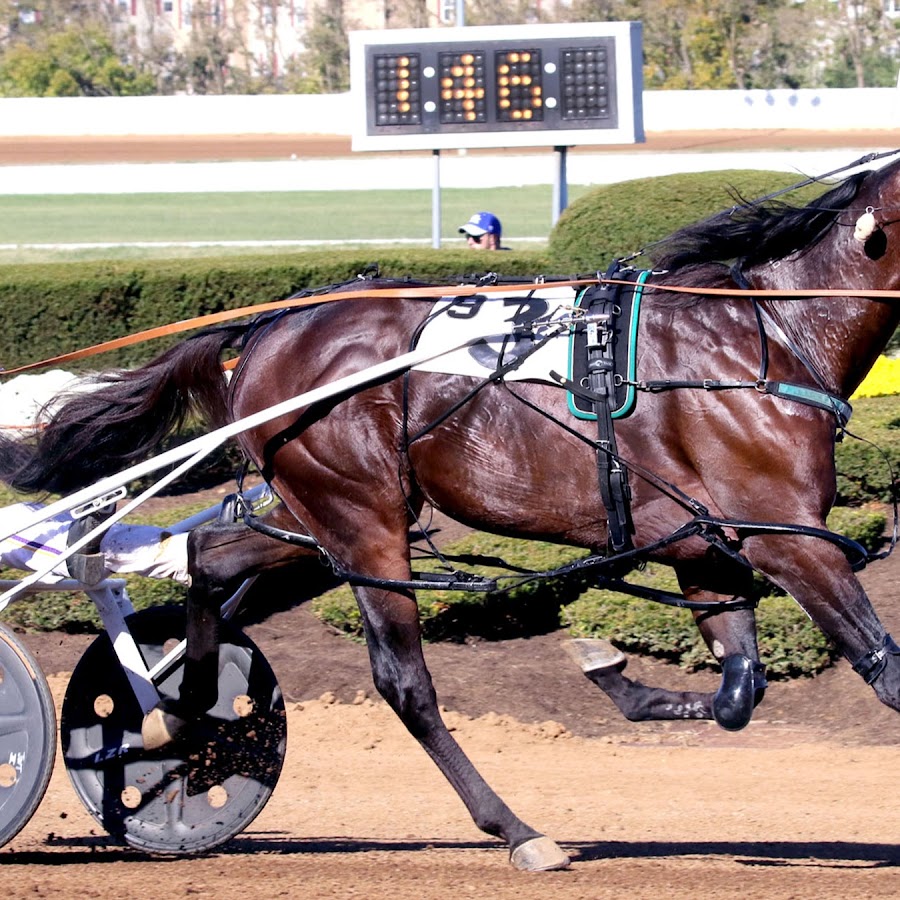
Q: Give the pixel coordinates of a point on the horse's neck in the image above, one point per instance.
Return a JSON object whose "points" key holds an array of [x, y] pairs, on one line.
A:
{"points": [[840, 337]]}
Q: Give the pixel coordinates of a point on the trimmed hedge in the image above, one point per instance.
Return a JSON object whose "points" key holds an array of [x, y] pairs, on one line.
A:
{"points": [[789, 643], [56, 308], [616, 220], [864, 469], [529, 608], [53, 309]]}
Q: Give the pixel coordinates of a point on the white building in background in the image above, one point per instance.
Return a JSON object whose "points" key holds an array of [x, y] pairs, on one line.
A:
{"points": [[273, 31]]}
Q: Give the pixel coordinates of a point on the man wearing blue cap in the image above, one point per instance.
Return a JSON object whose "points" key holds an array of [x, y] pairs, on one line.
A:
{"points": [[483, 232]]}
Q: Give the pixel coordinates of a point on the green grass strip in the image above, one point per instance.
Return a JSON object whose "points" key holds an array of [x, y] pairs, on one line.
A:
{"points": [[301, 215]]}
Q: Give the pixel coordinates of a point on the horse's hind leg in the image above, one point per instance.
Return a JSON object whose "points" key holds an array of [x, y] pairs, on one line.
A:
{"points": [[220, 558], [394, 641], [393, 636]]}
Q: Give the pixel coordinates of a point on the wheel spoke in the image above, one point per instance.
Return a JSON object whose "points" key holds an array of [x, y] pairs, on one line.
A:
{"points": [[14, 723]]}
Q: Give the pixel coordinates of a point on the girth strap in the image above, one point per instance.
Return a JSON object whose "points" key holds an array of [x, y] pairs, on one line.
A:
{"points": [[809, 396]]}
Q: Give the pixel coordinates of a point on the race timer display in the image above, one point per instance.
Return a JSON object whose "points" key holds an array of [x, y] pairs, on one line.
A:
{"points": [[515, 90]]}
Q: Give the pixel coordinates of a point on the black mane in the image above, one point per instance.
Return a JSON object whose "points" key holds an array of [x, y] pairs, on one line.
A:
{"points": [[756, 232]]}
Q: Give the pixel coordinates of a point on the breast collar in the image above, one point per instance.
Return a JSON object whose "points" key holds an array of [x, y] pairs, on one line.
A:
{"points": [[813, 395]]}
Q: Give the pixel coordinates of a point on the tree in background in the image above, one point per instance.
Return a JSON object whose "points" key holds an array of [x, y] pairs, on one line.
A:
{"points": [[505, 12], [326, 61], [697, 44], [783, 55], [71, 47], [409, 14], [863, 51], [266, 72], [9, 21], [79, 61]]}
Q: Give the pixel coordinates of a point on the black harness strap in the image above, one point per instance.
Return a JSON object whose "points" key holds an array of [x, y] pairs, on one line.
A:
{"points": [[601, 376], [873, 663]]}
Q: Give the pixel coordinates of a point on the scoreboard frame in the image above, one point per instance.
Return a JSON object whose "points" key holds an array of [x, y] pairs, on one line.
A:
{"points": [[497, 86]]}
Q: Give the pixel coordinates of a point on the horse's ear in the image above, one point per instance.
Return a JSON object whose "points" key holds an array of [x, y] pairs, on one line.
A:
{"points": [[865, 226], [876, 246]]}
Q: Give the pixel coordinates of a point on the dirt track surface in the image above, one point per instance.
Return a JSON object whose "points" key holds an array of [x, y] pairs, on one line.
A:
{"points": [[34, 150], [361, 812], [799, 804]]}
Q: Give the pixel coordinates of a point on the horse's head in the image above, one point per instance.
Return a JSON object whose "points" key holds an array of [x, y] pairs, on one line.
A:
{"points": [[842, 240]]}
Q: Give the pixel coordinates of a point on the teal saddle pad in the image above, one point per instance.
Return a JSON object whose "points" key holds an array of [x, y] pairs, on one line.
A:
{"points": [[625, 331]]}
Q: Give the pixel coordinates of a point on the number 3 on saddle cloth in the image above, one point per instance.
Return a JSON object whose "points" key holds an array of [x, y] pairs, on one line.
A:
{"points": [[599, 344]]}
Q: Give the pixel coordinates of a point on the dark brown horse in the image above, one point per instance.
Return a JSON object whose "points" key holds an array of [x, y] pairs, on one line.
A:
{"points": [[511, 460]]}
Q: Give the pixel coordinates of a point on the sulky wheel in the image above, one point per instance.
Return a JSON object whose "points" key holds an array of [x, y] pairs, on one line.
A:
{"points": [[27, 735], [202, 789]]}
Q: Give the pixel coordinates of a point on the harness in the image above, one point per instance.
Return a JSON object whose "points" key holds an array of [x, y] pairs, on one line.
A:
{"points": [[611, 302], [601, 377], [603, 385], [607, 334], [621, 296]]}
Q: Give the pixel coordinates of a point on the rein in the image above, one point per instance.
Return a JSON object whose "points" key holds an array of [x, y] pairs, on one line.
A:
{"points": [[815, 179], [290, 303], [426, 293]]}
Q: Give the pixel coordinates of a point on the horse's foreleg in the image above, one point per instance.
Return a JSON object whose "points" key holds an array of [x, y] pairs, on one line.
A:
{"points": [[817, 575], [394, 641], [730, 636]]}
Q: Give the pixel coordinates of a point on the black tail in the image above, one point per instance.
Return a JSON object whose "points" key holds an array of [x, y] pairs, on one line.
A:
{"points": [[101, 432]]}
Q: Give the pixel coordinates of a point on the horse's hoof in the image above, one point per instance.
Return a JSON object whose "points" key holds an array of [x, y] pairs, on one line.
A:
{"points": [[540, 854], [596, 655], [160, 728], [734, 701]]}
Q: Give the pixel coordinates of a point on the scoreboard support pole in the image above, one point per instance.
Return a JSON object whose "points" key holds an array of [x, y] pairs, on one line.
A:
{"points": [[436, 201], [560, 185]]}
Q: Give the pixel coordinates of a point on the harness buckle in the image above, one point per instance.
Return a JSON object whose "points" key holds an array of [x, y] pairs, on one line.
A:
{"points": [[98, 503]]}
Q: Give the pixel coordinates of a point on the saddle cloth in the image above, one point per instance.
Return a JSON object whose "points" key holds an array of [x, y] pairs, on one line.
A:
{"points": [[456, 319]]}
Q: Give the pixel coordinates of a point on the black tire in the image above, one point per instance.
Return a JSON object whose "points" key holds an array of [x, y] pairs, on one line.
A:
{"points": [[204, 788], [27, 735]]}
